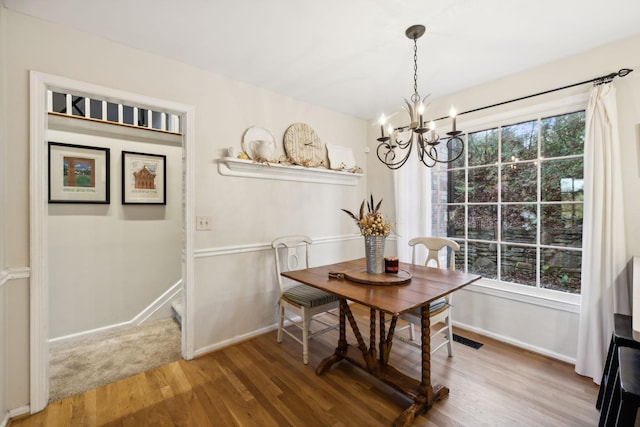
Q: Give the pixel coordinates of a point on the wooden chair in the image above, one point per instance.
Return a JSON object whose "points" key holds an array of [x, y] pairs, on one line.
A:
{"points": [[292, 253], [439, 310]]}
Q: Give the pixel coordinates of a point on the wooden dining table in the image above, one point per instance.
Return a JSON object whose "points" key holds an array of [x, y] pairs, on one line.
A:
{"points": [[386, 294]]}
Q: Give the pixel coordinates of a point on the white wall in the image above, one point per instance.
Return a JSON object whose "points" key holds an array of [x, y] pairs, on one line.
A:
{"points": [[3, 159], [234, 289], [3, 360], [234, 283], [108, 262], [16, 315], [550, 330]]}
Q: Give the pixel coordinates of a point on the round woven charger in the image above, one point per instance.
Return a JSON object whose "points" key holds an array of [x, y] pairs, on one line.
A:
{"points": [[302, 145]]}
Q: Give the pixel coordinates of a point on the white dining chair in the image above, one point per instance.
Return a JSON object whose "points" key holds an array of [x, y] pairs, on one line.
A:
{"points": [[306, 302], [439, 310]]}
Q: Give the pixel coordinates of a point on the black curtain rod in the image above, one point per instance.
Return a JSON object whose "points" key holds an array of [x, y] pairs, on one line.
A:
{"points": [[598, 80]]}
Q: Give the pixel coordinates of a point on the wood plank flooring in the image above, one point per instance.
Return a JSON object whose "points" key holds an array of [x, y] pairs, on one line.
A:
{"points": [[262, 383]]}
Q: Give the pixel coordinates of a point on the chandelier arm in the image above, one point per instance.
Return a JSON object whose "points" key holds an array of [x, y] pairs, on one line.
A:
{"points": [[399, 141], [461, 142], [387, 154], [422, 151], [434, 156], [430, 152]]}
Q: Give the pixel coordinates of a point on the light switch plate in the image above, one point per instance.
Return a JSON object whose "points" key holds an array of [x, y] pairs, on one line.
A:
{"points": [[203, 223]]}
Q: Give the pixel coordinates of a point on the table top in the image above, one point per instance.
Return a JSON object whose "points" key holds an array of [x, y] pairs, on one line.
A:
{"points": [[427, 284]]}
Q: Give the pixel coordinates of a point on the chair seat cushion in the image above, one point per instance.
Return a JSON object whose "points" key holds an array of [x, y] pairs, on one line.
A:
{"points": [[434, 306], [308, 296]]}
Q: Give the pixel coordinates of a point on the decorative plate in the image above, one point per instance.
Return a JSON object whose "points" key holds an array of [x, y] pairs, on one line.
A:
{"points": [[258, 144], [303, 146]]}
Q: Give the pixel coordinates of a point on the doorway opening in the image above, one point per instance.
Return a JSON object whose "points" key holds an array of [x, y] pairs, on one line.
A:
{"points": [[42, 121]]}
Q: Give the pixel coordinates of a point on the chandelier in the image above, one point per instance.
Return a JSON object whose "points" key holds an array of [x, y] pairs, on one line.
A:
{"points": [[395, 147]]}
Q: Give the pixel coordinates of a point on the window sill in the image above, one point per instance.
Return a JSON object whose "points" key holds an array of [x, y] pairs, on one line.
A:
{"points": [[231, 166], [542, 297]]}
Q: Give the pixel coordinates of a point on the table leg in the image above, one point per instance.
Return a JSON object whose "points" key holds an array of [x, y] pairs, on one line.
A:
{"points": [[383, 347], [386, 338], [341, 350], [372, 356], [425, 385], [368, 354], [428, 394]]}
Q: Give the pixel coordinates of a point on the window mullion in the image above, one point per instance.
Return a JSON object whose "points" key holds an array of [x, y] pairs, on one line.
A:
{"points": [[499, 208], [539, 208]]}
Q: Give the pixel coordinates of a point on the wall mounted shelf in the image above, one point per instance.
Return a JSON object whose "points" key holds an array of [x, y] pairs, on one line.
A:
{"points": [[232, 166]]}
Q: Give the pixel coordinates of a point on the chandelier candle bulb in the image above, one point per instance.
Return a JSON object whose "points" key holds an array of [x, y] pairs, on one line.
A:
{"points": [[432, 128], [452, 113], [382, 120], [421, 111]]}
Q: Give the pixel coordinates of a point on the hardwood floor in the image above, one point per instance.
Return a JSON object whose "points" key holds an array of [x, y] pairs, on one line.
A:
{"points": [[262, 383]]}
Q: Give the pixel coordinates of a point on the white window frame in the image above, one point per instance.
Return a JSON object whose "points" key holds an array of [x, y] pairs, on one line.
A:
{"points": [[524, 293]]}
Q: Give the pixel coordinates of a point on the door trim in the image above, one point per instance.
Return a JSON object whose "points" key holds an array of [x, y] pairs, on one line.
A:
{"points": [[40, 83]]}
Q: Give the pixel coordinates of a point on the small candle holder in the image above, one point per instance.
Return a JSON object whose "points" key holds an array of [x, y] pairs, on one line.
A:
{"points": [[390, 265]]}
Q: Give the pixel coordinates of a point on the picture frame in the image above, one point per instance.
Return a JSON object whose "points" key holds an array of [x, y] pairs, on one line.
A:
{"points": [[78, 174], [144, 179]]}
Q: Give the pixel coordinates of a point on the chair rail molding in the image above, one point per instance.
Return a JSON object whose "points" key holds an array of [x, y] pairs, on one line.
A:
{"points": [[14, 273], [257, 247]]}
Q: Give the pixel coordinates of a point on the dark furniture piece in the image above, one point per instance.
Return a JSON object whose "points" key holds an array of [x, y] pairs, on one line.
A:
{"points": [[625, 400], [427, 285], [609, 392]]}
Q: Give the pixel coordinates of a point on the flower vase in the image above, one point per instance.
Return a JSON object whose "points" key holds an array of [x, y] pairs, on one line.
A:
{"points": [[374, 253]]}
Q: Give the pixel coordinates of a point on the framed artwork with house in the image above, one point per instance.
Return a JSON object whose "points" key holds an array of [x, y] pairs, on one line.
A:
{"points": [[78, 173], [144, 179]]}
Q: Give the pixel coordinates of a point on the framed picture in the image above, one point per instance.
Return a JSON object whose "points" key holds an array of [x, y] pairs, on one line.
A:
{"points": [[78, 174], [144, 179]]}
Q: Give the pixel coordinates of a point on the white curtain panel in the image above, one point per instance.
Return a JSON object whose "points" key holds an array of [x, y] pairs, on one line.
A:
{"points": [[604, 285], [412, 189]]}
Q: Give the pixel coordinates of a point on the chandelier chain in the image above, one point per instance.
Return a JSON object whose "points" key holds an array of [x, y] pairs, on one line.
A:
{"points": [[415, 97], [394, 150]]}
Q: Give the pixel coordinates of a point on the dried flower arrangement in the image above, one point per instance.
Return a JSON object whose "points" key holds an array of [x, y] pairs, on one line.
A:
{"points": [[372, 223]]}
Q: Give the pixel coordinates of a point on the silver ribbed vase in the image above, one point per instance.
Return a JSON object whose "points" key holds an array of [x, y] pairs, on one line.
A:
{"points": [[374, 253]]}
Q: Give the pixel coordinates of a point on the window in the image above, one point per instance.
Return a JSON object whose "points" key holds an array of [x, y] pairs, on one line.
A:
{"points": [[514, 202], [113, 112]]}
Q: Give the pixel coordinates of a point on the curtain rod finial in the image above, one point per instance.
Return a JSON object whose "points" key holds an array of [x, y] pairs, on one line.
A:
{"points": [[624, 71]]}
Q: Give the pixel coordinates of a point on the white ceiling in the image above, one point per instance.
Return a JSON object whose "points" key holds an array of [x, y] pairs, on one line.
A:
{"points": [[352, 55]]}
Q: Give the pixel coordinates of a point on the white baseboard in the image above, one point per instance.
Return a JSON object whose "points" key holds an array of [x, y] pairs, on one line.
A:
{"points": [[515, 343], [90, 332], [162, 301], [14, 413], [234, 340]]}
